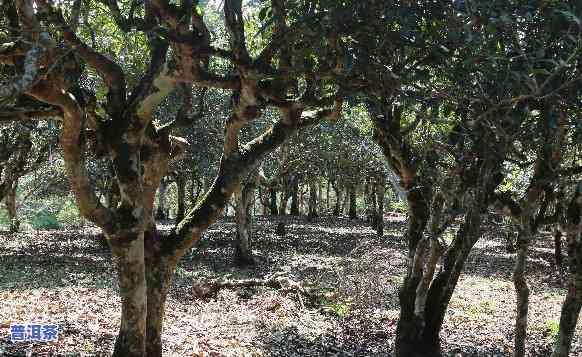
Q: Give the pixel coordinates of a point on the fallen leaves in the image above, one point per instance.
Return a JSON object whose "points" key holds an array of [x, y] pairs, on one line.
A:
{"points": [[67, 278]]}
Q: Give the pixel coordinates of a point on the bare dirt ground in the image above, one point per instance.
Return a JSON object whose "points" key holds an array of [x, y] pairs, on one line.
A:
{"points": [[65, 277]]}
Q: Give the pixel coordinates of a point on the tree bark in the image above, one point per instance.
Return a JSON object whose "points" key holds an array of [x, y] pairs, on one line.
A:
{"points": [[159, 272], [443, 285], [558, 258], [573, 302], [353, 213], [273, 202], [346, 202], [129, 252], [312, 200], [568, 320], [409, 328], [10, 202], [244, 196], [181, 191], [379, 224]]}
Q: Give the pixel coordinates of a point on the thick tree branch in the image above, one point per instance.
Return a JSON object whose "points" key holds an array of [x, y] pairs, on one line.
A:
{"points": [[234, 24], [27, 79], [22, 114], [71, 140], [154, 86], [110, 71], [232, 168]]}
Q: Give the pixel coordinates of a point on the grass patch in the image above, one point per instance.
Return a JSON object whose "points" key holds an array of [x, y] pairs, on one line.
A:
{"points": [[332, 304], [485, 308], [552, 329], [397, 279]]}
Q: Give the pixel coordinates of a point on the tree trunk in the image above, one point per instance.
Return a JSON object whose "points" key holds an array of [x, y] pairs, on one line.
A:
{"points": [[374, 205], [129, 253], [10, 202], [195, 190], [159, 272], [409, 328], [181, 191], [338, 200], [112, 196], [301, 201], [282, 203], [327, 190], [418, 334], [558, 252], [264, 200], [521, 291], [453, 262], [273, 202], [346, 201], [319, 204], [353, 213], [295, 197], [380, 208], [243, 217], [312, 200], [368, 193], [573, 303], [568, 320]]}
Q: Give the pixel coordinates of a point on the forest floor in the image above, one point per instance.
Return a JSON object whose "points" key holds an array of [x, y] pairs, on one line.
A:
{"points": [[66, 277]]}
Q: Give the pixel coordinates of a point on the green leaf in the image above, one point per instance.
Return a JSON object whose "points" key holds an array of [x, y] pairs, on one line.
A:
{"points": [[264, 13]]}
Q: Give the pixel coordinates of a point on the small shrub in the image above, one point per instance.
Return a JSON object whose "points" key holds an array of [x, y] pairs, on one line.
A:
{"points": [[553, 329], [44, 220]]}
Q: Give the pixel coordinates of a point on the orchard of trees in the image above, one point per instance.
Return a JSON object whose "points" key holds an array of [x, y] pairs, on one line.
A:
{"points": [[179, 112]]}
